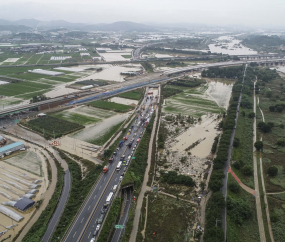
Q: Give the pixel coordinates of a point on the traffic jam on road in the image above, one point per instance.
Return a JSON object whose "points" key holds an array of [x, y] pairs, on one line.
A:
{"points": [[123, 156]]}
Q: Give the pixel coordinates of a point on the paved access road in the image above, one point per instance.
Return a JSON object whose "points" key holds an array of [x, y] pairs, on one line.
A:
{"points": [[60, 207], [85, 223], [227, 164], [124, 219]]}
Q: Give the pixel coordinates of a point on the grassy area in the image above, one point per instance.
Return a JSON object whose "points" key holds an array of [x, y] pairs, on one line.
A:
{"points": [[135, 94], [127, 56], [243, 153], [51, 126], [117, 107], [79, 190], [248, 230], [75, 117], [40, 226], [111, 219], [23, 88], [169, 219], [101, 140], [277, 215]]}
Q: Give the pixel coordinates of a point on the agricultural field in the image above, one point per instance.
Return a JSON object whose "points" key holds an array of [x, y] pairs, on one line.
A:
{"points": [[135, 94], [75, 117], [19, 88], [194, 102], [168, 219], [121, 108], [30, 162], [51, 127]]}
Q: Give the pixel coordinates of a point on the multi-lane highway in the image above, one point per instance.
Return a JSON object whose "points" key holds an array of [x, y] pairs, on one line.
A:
{"points": [[84, 225]]}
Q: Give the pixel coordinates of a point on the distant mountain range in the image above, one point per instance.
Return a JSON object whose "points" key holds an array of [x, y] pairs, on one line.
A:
{"points": [[29, 24]]}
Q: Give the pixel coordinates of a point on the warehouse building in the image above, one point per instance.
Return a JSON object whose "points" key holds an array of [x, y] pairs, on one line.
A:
{"points": [[45, 72], [8, 149], [24, 203]]}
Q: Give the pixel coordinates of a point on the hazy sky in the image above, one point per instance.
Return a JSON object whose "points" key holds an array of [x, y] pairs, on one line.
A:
{"points": [[245, 12]]}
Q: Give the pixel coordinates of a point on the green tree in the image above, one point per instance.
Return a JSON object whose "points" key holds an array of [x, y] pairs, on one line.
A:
{"points": [[236, 142], [234, 187], [272, 171], [258, 145], [247, 170], [251, 115], [272, 108], [281, 142], [279, 109]]}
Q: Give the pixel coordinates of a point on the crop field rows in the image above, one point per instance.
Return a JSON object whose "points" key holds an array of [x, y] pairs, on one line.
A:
{"points": [[195, 104]]}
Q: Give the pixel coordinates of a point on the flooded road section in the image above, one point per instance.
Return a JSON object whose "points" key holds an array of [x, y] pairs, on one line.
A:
{"points": [[203, 132]]}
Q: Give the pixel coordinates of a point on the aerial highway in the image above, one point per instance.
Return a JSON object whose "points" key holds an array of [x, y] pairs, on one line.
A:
{"points": [[84, 225], [140, 81]]}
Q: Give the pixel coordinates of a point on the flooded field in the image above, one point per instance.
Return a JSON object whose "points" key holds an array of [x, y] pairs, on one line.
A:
{"points": [[111, 72], [220, 92], [17, 177], [194, 102], [123, 101], [191, 119], [203, 131], [229, 45], [116, 56], [93, 131]]}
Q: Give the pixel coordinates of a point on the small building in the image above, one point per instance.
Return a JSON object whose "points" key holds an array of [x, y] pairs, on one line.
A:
{"points": [[2, 140], [6, 150], [24, 203]]}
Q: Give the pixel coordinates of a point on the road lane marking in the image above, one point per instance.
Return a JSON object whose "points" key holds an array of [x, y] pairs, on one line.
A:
{"points": [[89, 235], [95, 196], [89, 207], [82, 220], [99, 187], [74, 234]]}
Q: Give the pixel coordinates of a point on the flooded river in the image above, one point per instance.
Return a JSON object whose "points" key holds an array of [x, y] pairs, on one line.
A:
{"points": [[229, 45]]}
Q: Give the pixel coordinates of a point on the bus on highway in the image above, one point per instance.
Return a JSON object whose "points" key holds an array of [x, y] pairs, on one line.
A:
{"points": [[119, 166], [109, 198]]}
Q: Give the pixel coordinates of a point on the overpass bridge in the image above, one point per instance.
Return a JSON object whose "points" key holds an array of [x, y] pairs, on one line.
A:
{"points": [[141, 81], [262, 62]]}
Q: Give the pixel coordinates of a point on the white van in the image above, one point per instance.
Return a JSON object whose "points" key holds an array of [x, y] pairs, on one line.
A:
{"points": [[129, 157], [115, 188]]}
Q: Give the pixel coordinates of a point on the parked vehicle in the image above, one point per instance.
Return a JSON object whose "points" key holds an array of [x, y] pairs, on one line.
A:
{"points": [[121, 143], [121, 178], [111, 159], [100, 219]]}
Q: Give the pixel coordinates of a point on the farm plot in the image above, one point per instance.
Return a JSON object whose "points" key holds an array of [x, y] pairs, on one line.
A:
{"points": [[194, 102], [75, 117], [52, 127], [121, 108], [27, 161], [135, 94], [22, 88]]}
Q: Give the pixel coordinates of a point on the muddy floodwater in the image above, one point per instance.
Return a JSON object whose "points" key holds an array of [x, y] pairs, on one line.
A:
{"points": [[111, 72], [204, 132], [124, 101], [220, 92], [92, 132], [229, 45]]}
